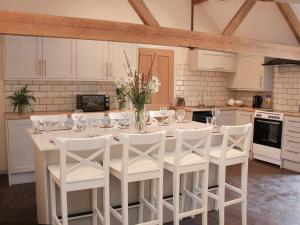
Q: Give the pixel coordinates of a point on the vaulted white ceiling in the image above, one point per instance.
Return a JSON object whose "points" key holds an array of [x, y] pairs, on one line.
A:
{"points": [[264, 22]]}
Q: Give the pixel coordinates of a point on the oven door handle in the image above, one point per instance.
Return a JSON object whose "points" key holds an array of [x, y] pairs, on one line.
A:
{"points": [[270, 122]]}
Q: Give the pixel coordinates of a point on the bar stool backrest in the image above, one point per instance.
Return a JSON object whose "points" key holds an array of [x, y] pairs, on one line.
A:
{"points": [[143, 146], [60, 118], [70, 148], [192, 141], [90, 116], [236, 137]]}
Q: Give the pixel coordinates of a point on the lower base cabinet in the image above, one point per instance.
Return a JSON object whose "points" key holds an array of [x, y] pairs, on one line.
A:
{"points": [[291, 144], [19, 152]]}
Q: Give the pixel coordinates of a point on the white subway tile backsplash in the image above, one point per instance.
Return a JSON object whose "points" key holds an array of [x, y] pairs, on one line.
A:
{"points": [[58, 95]]}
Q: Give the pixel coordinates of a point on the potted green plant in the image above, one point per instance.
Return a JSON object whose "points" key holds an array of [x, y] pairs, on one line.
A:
{"points": [[22, 99], [121, 92]]}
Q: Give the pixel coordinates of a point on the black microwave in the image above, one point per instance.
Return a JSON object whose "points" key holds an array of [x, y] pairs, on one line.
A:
{"points": [[92, 103]]}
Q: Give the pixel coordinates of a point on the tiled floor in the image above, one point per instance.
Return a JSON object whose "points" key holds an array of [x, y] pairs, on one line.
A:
{"points": [[273, 199]]}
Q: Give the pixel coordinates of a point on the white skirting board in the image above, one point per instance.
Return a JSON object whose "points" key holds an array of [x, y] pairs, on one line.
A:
{"points": [[21, 178]]}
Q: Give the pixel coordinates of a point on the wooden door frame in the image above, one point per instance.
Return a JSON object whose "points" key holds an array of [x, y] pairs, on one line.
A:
{"points": [[171, 53]]}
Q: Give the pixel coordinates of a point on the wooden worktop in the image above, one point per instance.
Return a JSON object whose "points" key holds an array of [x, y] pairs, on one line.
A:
{"points": [[17, 116]]}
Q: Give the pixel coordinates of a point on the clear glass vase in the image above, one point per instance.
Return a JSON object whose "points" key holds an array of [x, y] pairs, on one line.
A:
{"points": [[139, 116]]}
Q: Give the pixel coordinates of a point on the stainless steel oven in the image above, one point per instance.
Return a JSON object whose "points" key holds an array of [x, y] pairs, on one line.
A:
{"points": [[267, 136]]}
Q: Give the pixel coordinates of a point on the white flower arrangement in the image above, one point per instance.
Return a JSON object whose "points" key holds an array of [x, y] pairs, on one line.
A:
{"points": [[139, 87]]}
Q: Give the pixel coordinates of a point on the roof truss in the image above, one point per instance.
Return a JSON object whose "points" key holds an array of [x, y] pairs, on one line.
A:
{"points": [[143, 12]]}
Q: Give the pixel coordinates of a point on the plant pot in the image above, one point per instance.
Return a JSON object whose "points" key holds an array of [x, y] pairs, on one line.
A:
{"points": [[22, 109], [122, 105]]}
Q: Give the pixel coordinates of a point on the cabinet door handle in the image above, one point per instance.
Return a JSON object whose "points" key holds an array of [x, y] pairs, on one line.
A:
{"points": [[109, 69], [40, 67], [45, 67]]}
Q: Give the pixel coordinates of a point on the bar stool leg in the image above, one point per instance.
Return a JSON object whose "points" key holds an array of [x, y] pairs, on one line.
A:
{"points": [[222, 172], [106, 203], [153, 197], [64, 206], [94, 205], [160, 200], [176, 187], [53, 201], [204, 196], [195, 188], [142, 195], [183, 187], [124, 191], [244, 176]]}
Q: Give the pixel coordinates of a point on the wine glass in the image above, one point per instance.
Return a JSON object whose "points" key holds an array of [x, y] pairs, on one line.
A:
{"points": [[180, 113], [215, 112], [78, 116], [163, 111]]}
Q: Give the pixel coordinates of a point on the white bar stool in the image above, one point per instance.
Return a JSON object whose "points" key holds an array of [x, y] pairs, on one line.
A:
{"points": [[191, 156], [85, 173], [233, 150], [138, 165]]}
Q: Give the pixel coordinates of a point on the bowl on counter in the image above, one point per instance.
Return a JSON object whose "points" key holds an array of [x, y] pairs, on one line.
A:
{"points": [[239, 103]]}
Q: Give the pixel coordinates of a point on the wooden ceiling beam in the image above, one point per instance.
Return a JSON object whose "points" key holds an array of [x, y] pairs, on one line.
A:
{"points": [[143, 12], [69, 27], [196, 2], [291, 18], [238, 17]]}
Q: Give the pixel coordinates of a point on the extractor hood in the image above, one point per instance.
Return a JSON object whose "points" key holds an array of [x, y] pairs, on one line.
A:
{"points": [[278, 62]]}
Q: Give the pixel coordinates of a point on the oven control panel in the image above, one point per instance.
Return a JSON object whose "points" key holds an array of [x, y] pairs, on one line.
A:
{"points": [[268, 115]]}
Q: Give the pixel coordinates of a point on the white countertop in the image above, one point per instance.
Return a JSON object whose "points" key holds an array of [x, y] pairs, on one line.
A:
{"points": [[44, 141]]}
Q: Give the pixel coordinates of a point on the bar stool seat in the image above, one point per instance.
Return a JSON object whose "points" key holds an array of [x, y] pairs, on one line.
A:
{"points": [[80, 174], [187, 160], [139, 166], [215, 152]]}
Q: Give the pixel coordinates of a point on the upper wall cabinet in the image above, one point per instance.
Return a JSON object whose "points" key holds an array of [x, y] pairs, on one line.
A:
{"points": [[22, 57], [251, 74], [59, 58], [92, 59], [117, 59], [39, 58], [66, 59], [212, 61]]}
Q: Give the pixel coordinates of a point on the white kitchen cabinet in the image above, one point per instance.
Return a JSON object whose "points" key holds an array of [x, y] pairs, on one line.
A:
{"points": [[243, 117], [212, 61], [20, 152], [92, 59], [22, 57], [39, 58], [291, 143], [226, 118], [251, 74], [59, 58], [117, 59]]}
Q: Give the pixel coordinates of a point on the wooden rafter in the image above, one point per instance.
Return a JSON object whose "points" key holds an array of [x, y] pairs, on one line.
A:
{"points": [[195, 2], [143, 12], [291, 18], [238, 17], [79, 28]]}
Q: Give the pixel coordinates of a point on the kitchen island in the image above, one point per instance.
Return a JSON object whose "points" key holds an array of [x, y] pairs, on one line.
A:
{"points": [[47, 154]]}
